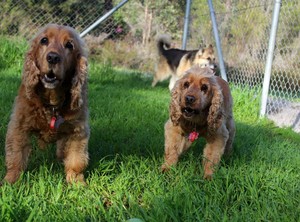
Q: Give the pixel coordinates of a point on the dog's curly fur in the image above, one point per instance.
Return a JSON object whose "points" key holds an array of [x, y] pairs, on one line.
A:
{"points": [[54, 85], [202, 103]]}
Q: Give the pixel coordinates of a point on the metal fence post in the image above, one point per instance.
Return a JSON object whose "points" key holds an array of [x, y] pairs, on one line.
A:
{"points": [[102, 18], [186, 23], [270, 56], [217, 39]]}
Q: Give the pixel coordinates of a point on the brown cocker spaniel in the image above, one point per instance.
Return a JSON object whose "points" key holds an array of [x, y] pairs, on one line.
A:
{"points": [[51, 103], [201, 105]]}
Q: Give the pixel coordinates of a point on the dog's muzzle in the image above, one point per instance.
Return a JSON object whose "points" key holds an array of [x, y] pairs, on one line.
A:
{"points": [[213, 67], [189, 112], [49, 80]]}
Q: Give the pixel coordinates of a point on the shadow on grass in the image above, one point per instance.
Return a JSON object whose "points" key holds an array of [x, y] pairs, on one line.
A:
{"points": [[127, 117]]}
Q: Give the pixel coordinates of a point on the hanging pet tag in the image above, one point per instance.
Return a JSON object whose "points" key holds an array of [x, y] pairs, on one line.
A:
{"points": [[193, 136], [56, 122], [52, 122]]}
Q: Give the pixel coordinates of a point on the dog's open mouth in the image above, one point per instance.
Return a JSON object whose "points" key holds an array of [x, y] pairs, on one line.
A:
{"points": [[189, 112], [49, 80]]}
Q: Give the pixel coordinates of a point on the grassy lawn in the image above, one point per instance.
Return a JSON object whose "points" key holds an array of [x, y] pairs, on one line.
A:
{"points": [[259, 182]]}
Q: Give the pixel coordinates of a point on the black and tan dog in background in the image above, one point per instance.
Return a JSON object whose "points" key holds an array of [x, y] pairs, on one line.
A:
{"points": [[174, 62]]}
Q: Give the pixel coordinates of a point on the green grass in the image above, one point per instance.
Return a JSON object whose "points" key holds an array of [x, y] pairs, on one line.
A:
{"points": [[260, 182]]}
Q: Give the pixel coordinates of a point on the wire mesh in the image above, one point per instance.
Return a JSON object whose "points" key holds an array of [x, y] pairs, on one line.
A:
{"points": [[24, 18], [244, 29]]}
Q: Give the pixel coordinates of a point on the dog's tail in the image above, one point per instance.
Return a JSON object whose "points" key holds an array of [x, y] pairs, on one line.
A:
{"points": [[163, 43]]}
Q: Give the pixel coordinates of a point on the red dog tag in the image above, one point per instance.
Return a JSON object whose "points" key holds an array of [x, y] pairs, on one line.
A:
{"points": [[52, 122], [193, 136], [56, 122]]}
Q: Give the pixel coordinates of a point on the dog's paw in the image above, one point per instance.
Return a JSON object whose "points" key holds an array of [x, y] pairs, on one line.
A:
{"points": [[165, 168], [208, 176], [76, 178], [12, 176]]}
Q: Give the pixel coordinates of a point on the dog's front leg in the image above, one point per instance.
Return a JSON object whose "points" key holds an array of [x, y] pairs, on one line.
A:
{"points": [[175, 144], [17, 150], [213, 151], [75, 157]]}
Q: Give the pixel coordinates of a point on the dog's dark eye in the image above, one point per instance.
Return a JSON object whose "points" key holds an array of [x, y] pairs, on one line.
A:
{"points": [[204, 88], [208, 58], [186, 85], [69, 45], [44, 41]]}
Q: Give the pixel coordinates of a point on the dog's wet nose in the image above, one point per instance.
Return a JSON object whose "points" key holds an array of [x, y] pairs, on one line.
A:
{"points": [[53, 58], [189, 99]]}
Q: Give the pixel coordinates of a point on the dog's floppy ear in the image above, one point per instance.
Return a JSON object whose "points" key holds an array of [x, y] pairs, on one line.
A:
{"points": [[78, 82], [175, 112], [30, 77], [215, 117]]}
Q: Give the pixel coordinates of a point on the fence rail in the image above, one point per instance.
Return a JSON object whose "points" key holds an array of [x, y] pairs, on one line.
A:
{"points": [[127, 37]]}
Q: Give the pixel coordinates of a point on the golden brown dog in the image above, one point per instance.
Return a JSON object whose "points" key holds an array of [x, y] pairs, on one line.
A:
{"points": [[51, 103], [201, 105], [174, 62]]}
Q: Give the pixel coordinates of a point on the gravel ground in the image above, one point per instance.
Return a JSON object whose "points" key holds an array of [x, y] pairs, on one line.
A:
{"points": [[285, 116]]}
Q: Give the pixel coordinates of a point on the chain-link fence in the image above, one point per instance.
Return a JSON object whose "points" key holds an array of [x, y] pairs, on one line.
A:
{"points": [[24, 18], [244, 28], [128, 37], [246, 55]]}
